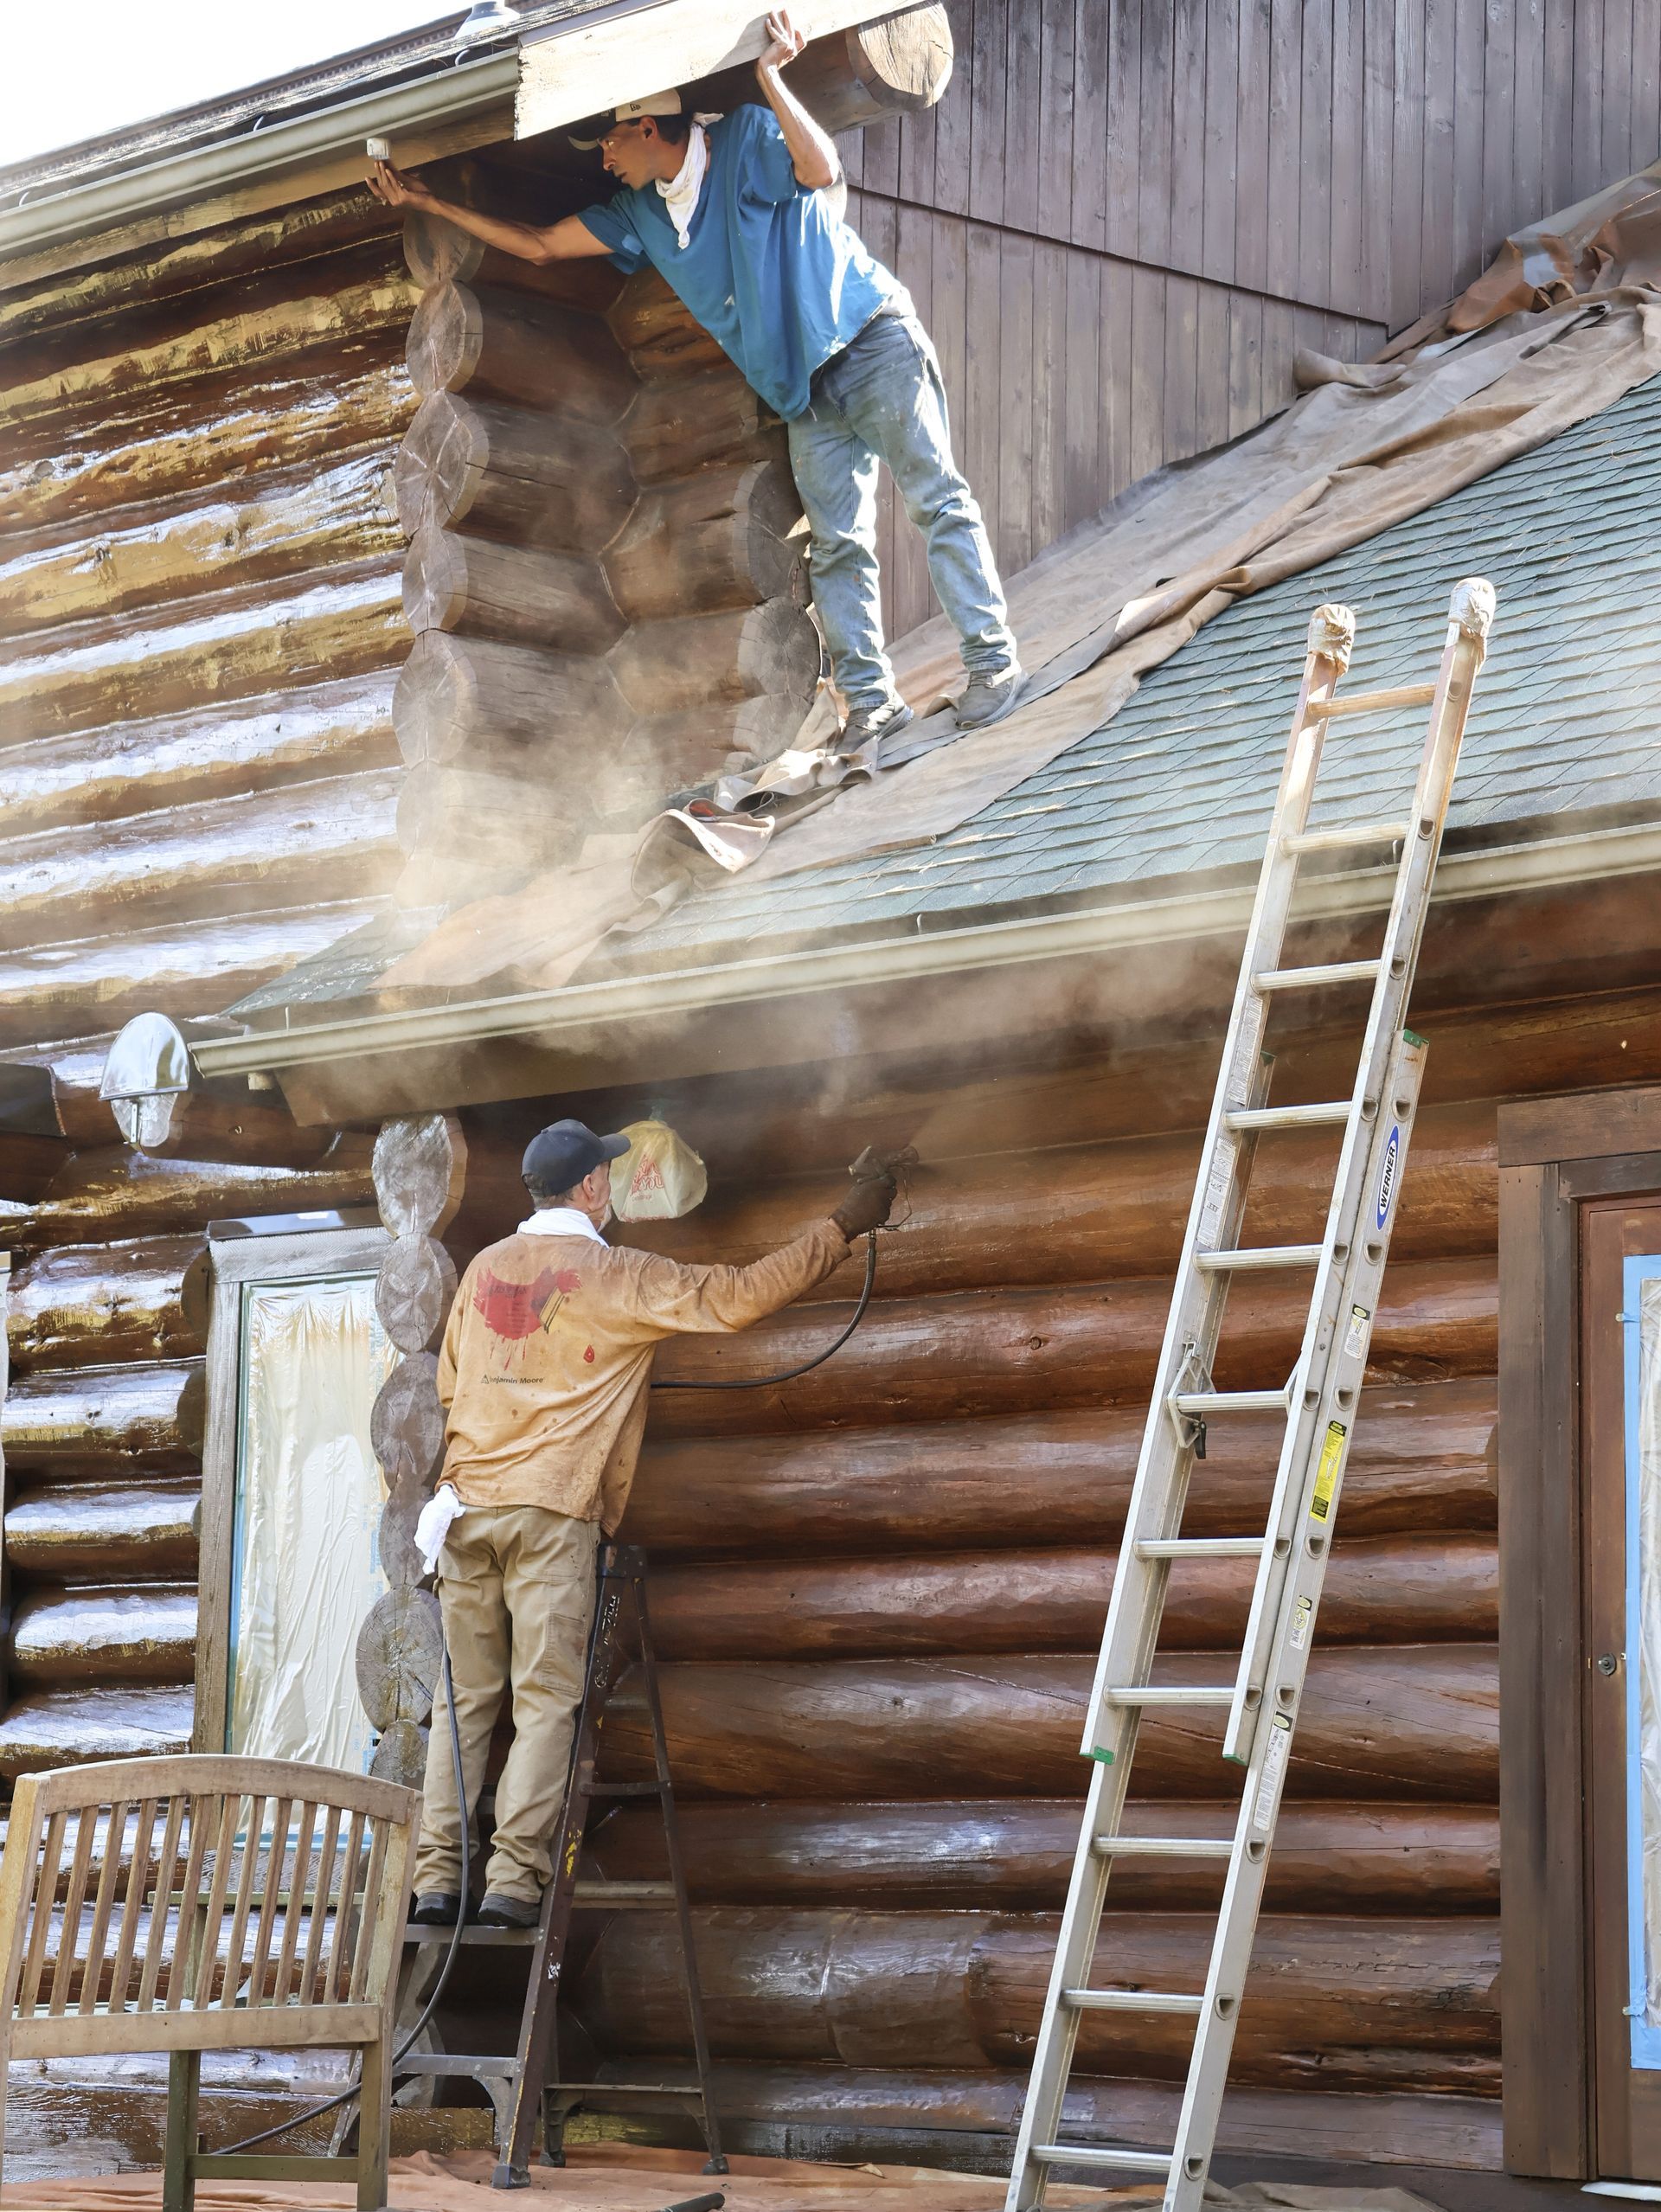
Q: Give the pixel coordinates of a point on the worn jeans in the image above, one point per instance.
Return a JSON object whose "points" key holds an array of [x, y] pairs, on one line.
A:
{"points": [[516, 1584], [881, 399]]}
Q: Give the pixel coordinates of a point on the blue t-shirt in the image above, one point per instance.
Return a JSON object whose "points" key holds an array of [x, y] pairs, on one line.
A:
{"points": [[777, 278]]}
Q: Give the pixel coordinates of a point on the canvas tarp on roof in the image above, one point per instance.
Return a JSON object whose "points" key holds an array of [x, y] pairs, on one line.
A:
{"points": [[1365, 446]]}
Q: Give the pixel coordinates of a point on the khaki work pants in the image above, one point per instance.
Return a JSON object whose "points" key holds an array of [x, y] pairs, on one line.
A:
{"points": [[518, 1588]]}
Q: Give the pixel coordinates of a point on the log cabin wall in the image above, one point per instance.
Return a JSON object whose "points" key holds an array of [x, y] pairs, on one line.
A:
{"points": [[1126, 216]]}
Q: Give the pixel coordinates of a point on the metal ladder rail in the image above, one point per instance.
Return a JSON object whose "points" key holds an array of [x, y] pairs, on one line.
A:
{"points": [[1112, 1734]]}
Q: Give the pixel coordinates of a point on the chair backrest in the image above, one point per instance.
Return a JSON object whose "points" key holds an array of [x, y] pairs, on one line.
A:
{"points": [[139, 1895]]}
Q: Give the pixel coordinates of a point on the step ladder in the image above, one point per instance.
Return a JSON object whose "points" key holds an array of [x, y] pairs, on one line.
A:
{"points": [[520, 2084], [1317, 1405]]}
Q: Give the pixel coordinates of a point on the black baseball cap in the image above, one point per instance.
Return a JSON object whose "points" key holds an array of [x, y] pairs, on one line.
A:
{"points": [[559, 1156]]}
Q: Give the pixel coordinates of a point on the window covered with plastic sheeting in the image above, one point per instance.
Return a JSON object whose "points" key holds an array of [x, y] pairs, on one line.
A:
{"points": [[308, 1498]]}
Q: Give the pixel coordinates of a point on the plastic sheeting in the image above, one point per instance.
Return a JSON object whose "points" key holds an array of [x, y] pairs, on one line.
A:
{"points": [[308, 1496], [1642, 1314]]}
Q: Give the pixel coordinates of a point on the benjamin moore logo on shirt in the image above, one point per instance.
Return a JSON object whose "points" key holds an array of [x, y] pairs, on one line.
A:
{"points": [[519, 1310]]}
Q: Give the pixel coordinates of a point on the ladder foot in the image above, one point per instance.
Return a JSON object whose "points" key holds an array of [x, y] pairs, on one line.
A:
{"points": [[717, 2164], [507, 2177]]}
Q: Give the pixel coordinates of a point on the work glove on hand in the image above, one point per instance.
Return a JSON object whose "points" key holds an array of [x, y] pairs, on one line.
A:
{"points": [[867, 1206]]}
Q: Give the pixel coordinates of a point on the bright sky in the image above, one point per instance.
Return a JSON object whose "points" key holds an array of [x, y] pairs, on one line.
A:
{"points": [[74, 69]]}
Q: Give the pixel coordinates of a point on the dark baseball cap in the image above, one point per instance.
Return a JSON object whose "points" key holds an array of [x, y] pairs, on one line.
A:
{"points": [[559, 1156]]}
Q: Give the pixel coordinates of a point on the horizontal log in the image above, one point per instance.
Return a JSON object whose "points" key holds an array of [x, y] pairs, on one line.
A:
{"points": [[1355, 2004], [1010, 1351], [1094, 1211], [1014, 1853], [661, 337], [667, 667], [101, 1192], [438, 252], [290, 846], [226, 1128], [472, 700], [102, 1304], [512, 473], [1409, 1722], [105, 1636], [665, 753], [720, 538], [303, 412], [137, 665], [481, 818], [67, 1728], [104, 1531], [106, 1420], [508, 345], [64, 991], [705, 418], [273, 526], [1424, 1458], [1378, 1590], [557, 602], [216, 753]]}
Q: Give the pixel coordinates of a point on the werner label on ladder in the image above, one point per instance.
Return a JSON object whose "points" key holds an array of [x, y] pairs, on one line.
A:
{"points": [[1316, 1405]]}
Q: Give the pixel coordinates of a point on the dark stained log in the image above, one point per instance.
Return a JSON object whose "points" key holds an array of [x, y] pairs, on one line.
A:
{"points": [[105, 1635], [229, 1128], [1010, 1351], [470, 699], [664, 754], [898, 65], [407, 1422], [720, 538], [507, 473], [507, 345], [265, 850], [137, 665], [102, 1304], [1355, 2003], [665, 668], [99, 1192], [275, 525], [65, 1728], [438, 253], [62, 990], [474, 817], [708, 418], [1015, 1853], [1098, 1210], [1413, 1721], [1379, 1589], [30, 1163], [413, 1291], [117, 1532], [660, 336], [169, 444], [74, 1072], [106, 1420], [521, 595], [328, 729], [1423, 1459], [420, 1170]]}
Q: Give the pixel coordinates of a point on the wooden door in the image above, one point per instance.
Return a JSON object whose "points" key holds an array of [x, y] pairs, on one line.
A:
{"points": [[1620, 1246]]}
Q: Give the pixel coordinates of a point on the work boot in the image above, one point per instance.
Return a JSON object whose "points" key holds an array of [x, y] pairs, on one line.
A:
{"points": [[438, 1909], [498, 1911], [987, 699], [869, 725]]}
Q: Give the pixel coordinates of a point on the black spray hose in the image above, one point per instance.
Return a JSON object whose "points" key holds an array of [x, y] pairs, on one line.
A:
{"points": [[348, 2095], [789, 1374]]}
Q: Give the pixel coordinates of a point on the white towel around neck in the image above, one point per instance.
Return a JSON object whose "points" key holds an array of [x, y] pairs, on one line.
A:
{"points": [[681, 191]]}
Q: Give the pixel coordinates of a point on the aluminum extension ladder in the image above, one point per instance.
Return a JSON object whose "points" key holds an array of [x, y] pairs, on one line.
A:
{"points": [[1318, 1405]]}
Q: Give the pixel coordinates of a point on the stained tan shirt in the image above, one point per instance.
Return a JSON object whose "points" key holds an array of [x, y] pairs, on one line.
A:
{"points": [[546, 1358]]}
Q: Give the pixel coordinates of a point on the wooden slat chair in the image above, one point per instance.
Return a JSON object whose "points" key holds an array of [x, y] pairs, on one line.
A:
{"points": [[205, 1903]]}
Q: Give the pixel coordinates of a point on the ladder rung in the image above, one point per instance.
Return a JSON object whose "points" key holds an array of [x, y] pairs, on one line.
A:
{"points": [[1163, 1847], [1370, 702], [1123, 2161], [1230, 1401], [1331, 1113], [1147, 1693], [1312, 979], [1199, 1548], [1134, 2001], [633, 2088], [1245, 1258], [1341, 840]]}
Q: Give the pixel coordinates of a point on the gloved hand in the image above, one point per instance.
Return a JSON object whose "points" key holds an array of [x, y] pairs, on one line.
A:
{"points": [[867, 1206]]}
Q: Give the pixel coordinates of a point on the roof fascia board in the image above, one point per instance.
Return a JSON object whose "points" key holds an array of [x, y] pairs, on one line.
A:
{"points": [[612, 1006]]}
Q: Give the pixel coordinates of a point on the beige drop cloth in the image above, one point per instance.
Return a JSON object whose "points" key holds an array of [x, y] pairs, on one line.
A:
{"points": [[1566, 320]]}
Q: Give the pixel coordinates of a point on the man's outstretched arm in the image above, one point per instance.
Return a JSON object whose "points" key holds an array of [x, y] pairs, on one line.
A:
{"points": [[568, 241], [812, 152]]}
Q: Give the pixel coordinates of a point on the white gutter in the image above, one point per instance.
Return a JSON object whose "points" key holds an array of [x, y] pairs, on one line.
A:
{"points": [[450, 95], [549, 1014]]}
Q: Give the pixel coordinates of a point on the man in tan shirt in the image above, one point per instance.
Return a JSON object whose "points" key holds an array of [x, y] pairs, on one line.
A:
{"points": [[545, 1370]]}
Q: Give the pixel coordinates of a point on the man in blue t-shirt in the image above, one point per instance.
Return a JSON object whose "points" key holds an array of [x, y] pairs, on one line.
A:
{"points": [[735, 213]]}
